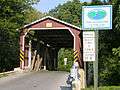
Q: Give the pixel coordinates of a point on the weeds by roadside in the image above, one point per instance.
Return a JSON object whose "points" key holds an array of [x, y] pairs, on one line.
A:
{"points": [[3, 75]]}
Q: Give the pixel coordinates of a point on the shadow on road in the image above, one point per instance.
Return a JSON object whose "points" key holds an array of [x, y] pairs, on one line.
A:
{"points": [[65, 88]]}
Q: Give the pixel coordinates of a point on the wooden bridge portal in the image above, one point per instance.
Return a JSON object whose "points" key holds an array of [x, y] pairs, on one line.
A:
{"points": [[51, 34]]}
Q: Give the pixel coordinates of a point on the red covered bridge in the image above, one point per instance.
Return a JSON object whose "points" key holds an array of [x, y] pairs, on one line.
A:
{"points": [[50, 34]]}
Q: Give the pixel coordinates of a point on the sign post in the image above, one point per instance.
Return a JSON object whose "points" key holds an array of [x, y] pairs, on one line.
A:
{"points": [[95, 63], [94, 18]]}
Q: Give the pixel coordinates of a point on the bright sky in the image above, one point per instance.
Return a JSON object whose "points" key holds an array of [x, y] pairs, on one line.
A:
{"points": [[46, 5]]}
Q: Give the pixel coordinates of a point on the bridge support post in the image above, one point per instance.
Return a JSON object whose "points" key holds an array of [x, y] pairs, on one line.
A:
{"points": [[77, 48], [22, 48]]}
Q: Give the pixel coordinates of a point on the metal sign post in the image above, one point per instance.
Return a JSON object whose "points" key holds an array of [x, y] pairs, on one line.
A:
{"points": [[95, 63]]}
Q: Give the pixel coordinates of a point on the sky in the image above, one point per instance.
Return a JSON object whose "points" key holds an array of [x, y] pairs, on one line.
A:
{"points": [[46, 5]]}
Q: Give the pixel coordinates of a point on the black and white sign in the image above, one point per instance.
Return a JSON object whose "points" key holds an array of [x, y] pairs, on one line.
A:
{"points": [[89, 46]]}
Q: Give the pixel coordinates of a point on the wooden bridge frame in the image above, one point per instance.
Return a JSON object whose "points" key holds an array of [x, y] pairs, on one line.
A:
{"points": [[49, 23]]}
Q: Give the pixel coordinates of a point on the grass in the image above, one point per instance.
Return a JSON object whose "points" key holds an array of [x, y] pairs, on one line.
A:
{"points": [[105, 88], [3, 75]]}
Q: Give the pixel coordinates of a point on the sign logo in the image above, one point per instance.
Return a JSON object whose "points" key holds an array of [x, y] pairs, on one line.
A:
{"points": [[97, 14], [97, 17]]}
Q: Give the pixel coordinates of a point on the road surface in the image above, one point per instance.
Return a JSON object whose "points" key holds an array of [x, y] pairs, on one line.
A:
{"points": [[42, 80]]}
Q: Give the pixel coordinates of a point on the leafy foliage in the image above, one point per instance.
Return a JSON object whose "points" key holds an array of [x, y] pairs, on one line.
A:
{"points": [[116, 51], [12, 16], [109, 64], [32, 15], [69, 12], [65, 53]]}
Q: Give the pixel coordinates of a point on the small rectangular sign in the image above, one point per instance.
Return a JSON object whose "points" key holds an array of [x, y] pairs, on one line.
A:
{"points": [[88, 44], [89, 41], [88, 34], [97, 17], [49, 25], [88, 56]]}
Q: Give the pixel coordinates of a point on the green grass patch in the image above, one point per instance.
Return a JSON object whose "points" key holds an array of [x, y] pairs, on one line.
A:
{"points": [[105, 88], [3, 75]]}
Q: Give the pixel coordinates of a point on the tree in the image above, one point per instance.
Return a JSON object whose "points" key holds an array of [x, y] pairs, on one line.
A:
{"points": [[12, 17], [69, 12], [109, 42], [108, 39], [32, 15]]}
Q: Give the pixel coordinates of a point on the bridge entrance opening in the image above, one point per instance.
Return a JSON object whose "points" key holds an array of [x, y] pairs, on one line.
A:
{"points": [[47, 43], [46, 36]]}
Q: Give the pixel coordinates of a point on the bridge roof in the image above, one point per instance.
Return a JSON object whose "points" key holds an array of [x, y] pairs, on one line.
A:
{"points": [[52, 18], [58, 34]]}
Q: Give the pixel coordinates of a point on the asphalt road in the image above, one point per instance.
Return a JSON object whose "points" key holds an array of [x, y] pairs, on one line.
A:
{"points": [[42, 80]]}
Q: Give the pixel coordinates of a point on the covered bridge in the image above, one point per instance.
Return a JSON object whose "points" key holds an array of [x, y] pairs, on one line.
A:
{"points": [[52, 34]]}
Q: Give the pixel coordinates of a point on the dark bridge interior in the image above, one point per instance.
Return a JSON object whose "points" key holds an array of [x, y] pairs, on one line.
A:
{"points": [[56, 38], [48, 42]]}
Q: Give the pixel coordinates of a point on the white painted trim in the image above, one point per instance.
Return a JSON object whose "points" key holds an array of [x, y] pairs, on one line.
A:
{"points": [[47, 17], [74, 39], [47, 28], [23, 44], [29, 54]]}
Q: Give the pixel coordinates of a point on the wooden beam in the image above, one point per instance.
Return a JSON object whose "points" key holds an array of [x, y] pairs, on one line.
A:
{"points": [[54, 36], [33, 60]]}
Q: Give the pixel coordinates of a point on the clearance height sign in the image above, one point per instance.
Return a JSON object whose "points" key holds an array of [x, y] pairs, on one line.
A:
{"points": [[89, 46], [97, 17]]}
